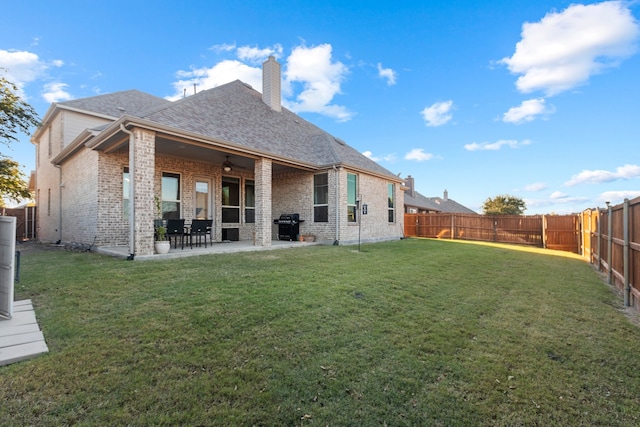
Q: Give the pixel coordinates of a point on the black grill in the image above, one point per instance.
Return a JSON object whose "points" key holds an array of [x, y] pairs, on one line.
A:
{"points": [[288, 226]]}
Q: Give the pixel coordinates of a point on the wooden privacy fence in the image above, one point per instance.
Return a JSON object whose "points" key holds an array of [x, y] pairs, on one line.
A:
{"points": [[612, 243], [25, 221], [561, 232]]}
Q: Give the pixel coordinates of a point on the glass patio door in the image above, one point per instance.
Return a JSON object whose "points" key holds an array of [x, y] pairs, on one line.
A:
{"points": [[203, 206]]}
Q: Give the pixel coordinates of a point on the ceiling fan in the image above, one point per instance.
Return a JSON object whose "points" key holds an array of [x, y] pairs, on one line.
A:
{"points": [[227, 165]]}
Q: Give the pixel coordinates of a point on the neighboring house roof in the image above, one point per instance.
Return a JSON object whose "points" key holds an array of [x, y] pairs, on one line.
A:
{"points": [[450, 206], [131, 102], [435, 204], [232, 115], [417, 200]]}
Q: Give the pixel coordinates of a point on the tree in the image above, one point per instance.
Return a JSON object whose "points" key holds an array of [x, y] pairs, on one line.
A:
{"points": [[12, 183], [504, 205], [15, 116]]}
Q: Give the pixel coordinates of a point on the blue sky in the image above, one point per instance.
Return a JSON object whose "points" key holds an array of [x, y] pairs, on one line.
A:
{"points": [[537, 99]]}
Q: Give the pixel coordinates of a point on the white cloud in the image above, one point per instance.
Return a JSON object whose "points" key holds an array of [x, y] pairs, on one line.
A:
{"points": [[221, 73], [21, 67], [563, 50], [387, 157], [56, 92], [494, 146], [256, 55], [388, 74], [527, 111], [616, 197], [599, 176], [321, 79], [536, 186], [311, 70], [418, 155], [556, 195], [558, 205], [223, 47], [438, 114]]}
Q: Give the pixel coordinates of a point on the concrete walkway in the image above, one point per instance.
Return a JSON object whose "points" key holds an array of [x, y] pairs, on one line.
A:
{"points": [[20, 336], [215, 248]]}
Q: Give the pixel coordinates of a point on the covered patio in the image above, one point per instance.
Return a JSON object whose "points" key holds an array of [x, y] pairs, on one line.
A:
{"points": [[215, 248]]}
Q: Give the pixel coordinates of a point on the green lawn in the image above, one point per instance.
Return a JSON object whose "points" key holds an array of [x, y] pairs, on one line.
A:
{"points": [[413, 332]]}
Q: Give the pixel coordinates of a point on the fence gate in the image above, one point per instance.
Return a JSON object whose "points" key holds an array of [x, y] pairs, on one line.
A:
{"points": [[562, 233], [25, 221]]}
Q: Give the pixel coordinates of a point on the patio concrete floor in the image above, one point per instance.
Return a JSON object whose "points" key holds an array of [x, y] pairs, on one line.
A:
{"points": [[215, 248]]}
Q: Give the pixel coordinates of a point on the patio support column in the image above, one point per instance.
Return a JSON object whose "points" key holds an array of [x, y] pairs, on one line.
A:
{"points": [[263, 202], [142, 156]]}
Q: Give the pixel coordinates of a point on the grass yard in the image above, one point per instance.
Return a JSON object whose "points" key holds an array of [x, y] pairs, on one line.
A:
{"points": [[413, 332]]}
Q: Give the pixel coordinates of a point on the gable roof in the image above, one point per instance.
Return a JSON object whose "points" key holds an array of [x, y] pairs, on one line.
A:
{"points": [[419, 201], [132, 102], [436, 204], [232, 114], [450, 206]]}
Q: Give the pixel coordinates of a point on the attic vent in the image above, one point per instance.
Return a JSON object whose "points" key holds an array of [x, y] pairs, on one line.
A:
{"points": [[247, 85], [339, 141]]}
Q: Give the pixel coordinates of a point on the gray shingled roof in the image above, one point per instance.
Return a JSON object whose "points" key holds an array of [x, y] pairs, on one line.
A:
{"points": [[450, 206], [131, 102], [437, 204], [420, 201], [235, 113]]}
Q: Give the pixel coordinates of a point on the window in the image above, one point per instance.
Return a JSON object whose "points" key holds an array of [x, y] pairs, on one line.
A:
{"points": [[230, 200], [392, 203], [352, 191], [125, 193], [249, 201], [170, 196], [321, 197]]}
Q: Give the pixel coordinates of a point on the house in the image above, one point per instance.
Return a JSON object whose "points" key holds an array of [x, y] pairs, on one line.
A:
{"points": [[415, 202], [229, 154]]}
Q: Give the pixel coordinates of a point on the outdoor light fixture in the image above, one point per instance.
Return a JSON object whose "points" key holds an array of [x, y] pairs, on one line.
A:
{"points": [[226, 166]]}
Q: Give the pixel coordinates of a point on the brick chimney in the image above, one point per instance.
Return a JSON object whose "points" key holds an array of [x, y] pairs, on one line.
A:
{"points": [[408, 182], [271, 83]]}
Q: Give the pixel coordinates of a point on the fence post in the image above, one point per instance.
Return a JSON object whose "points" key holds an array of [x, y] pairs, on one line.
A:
{"points": [[453, 225], [625, 252], [599, 230], [495, 230], [544, 231], [609, 243]]}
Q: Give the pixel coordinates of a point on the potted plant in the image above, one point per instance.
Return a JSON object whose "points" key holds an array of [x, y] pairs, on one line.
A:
{"points": [[161, 245]]}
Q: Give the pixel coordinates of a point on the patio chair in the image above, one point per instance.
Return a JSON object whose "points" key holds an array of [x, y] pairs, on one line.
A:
{"points": [[198, 231], [175, 229], [209, 225]]}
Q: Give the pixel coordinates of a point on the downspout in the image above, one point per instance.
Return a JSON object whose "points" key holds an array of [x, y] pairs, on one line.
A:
{"points": [[60, 186], [337, 189], [132, 192]]}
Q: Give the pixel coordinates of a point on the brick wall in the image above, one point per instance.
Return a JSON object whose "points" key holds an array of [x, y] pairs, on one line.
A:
{"points": [[80, 197]]}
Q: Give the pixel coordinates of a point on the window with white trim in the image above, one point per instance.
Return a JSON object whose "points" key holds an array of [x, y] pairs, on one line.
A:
{"points": [[249, 201], [125, 193], [171, 196], [352, 196], [321, 197], [230, 200], [392, 202]]}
